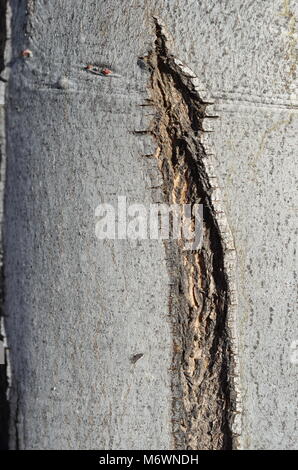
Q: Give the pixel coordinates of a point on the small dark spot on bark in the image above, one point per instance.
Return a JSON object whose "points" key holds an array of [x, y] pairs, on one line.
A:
{"points": [[142, 64], [136, 357]]}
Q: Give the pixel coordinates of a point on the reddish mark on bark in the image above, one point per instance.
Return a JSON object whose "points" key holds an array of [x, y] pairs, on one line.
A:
{"points": [[98, 70], [106, 71], [26, 53]]}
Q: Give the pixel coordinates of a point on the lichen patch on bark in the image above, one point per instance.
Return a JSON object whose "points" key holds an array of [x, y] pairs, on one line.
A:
{"points": [[202, 302]]}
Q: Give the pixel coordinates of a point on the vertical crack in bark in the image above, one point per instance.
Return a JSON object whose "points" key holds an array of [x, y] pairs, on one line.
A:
{"points": [[205, 397]]}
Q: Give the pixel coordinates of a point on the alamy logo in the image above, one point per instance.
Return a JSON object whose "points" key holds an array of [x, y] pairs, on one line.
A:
{"points": [[155, 222]]}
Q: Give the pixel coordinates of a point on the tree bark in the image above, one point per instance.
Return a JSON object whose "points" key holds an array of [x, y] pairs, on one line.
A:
{"points": [[133, 344]]}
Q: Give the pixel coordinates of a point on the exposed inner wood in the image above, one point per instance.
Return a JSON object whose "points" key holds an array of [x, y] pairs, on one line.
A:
{"points": [[203, 361]]}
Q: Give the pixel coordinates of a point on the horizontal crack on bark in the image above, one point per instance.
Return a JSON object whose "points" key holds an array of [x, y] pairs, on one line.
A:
{"points": [[204, 392]]}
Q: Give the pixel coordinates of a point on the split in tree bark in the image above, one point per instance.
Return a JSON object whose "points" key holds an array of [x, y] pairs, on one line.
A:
{"points": [[204, 402]]}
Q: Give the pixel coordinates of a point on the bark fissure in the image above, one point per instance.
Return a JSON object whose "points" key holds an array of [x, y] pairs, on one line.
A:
{"points": [[204, 364]]}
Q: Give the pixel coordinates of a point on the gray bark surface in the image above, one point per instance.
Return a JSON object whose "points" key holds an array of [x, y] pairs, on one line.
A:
{"points": [[78, 309]]}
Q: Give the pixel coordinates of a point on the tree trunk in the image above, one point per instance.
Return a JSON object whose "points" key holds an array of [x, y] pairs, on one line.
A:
{"points": [[138, 343]]}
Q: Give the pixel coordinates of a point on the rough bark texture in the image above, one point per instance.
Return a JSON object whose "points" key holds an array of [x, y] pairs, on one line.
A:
{"points": [[203, 362], [80, 308], [131, 344], [4, 406], [4, 383], [3, 4]]}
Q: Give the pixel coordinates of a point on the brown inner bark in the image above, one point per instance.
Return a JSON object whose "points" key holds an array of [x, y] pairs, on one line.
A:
{"points": [[199, 301]]}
